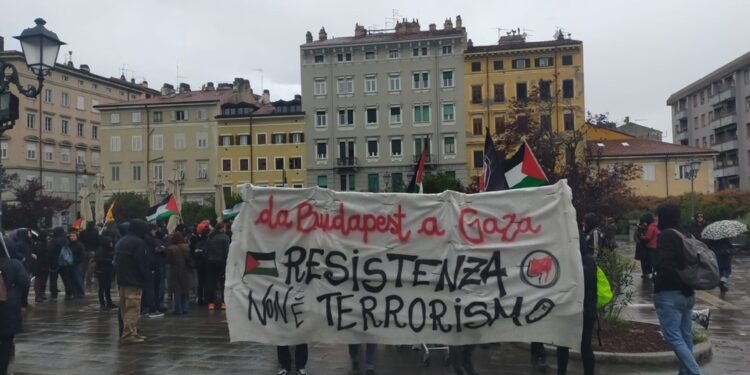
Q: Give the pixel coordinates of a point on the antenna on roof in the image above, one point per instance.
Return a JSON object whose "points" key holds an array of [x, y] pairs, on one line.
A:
{"points": [[178, 76], [499, 31], [390, 22]]}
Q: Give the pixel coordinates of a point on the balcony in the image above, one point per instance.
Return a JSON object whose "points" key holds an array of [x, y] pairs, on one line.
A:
{"points": [[725, 144], [725, 93], [681, 114], [727, 119], [726, 171], [349, 163]]}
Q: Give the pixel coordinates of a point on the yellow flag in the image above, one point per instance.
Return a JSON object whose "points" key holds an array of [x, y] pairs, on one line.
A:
{"points": [[110, 216]]}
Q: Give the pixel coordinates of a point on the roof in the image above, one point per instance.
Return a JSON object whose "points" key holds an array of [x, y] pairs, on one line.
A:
{"points": [[643, 147], [524, 45], [377, 38], [178, 98], [729, 68], [631, 125]]}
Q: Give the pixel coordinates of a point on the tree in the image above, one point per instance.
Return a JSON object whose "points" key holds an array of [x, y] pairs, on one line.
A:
{"points": [[128, 206], [7, 181], [232, 199], [440, 182], [193, 213], [32, 208]]}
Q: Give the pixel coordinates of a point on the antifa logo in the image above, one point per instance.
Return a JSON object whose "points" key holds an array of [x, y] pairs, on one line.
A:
{"points": [[540, 269]]}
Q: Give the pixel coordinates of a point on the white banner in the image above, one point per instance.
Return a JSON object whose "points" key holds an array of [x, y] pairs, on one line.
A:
{"points": [[314, 265]]}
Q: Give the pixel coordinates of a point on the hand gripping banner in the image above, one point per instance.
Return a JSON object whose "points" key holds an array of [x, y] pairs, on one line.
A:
{"points": [[315, 265]]}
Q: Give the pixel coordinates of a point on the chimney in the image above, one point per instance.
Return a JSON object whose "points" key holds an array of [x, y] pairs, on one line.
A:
{"points": [[266, 98], [241, 85], [322, 35], [448, 24], [2, 44], [298, 97], [470, 44], [224, 86], [359, 31], [459, 22], [167, 90], [70, 64], [627, 120], [85, 68], [132, 81], [144, 84], [122, 76], [184, 87], [210, 86], [433, 27], [308, 37]]}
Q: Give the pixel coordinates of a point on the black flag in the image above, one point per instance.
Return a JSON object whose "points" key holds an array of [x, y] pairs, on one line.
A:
{"points": [[493, 173]]}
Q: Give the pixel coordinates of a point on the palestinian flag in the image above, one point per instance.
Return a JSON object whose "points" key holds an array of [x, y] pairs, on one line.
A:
{"points": [[416, 185], [261, 264], [231, 213], [522, 170], [163, 209]]}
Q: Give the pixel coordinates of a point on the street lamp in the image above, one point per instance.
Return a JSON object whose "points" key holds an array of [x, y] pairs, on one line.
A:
{"points": [[691, 171], [80, 165], [387, 180]]}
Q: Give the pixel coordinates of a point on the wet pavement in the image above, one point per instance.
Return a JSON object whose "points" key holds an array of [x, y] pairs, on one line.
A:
{"points": [[75, 338]]}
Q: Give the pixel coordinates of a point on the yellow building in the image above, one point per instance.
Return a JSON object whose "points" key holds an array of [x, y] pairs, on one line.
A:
{"points": [[262, 143], [664, 166], [494, 75], [599, 133]]}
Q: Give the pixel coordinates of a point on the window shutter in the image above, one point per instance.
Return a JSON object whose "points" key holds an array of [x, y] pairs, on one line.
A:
{"points": [[173, 115], [302, 137], [528, 63], [514, 64], [273, 139], [536, 61], [284, 138], [676, 171], [186, 115]]}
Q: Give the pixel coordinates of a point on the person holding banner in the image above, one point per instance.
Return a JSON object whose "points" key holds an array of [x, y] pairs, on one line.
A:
{"points": [[460, 357], [284, 355], [371, 351]]}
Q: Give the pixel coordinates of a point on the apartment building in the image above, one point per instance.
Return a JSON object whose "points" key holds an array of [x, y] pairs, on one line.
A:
{"points": [[714, 112], [495, 75], [262, 143], [375, 99], [58, 132], [145, 141]]}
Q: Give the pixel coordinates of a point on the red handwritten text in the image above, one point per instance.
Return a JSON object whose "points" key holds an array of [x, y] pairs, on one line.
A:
{"points": [[273, 219], [431, 227], [308, 220], [474, 229]]}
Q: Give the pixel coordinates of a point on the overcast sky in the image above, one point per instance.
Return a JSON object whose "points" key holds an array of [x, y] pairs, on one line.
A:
{"points": [[637, 52]]}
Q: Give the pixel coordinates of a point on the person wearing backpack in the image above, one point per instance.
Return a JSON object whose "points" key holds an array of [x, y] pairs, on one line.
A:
{"points": [[60, 259], [642, 253], [218, 249], [673, 298], [14, 280]]}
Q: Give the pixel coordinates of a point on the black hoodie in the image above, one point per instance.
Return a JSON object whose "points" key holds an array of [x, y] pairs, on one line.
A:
{"points": [[130, 255], [670, 257]]}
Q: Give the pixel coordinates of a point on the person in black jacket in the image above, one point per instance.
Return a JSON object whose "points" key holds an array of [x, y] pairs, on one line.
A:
{"points": [[16, 281], [696, 227], [79, 265], [154, 247], [41, 266], [23, 245], [90, 240], [673, 298], [104, 258], [56, 244], [132, 269], [218, 249]]}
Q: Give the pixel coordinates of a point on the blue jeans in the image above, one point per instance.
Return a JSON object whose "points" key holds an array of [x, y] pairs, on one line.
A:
{"points": [[675, 311], [370, 355], [79, 274], [181, 303]]}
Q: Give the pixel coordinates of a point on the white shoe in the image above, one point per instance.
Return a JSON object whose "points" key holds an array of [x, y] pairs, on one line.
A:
{"points": [[282, 372], [301, 371]]}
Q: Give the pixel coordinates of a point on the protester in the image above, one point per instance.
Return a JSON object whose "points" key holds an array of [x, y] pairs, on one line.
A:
{"points": [[104, 257], [218, 249], [697, 225], [132, 269], [56, 245], [78, 271], [198, 250], [673, 298], [652, 234], [90, 240], [371, 351], [21, 242], [16, 281], [180, 280], [150, 306], [641, 250], [610, 233], [284, 355], [724, 250], [40, 266], [460, 358]]}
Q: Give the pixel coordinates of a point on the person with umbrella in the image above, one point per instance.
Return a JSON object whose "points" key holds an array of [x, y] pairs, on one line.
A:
{"points": [[717, 236]]}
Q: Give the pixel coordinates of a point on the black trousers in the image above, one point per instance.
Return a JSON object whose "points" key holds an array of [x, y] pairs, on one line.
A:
{"points": [[6, 349], [285, 357], [215, 282], [460, 357], [587, 351], [65, 275], [104, 278], [647, 261]]}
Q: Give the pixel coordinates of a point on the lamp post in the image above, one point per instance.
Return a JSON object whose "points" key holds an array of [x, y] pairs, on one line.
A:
{"points": [[691, 171], [80, 165], [387, 180], [39, 48]]}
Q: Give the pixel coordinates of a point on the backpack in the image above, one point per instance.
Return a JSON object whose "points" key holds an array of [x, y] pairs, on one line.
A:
{"points": [[65, 259], [603, 289], [701, 269]]}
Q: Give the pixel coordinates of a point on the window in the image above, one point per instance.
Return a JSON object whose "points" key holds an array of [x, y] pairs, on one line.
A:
{"points": [[371, 84], [202, 113], [49, 153], [158, 172], [48, 182], [476, 125], [319, 87], [346, 85], [499, 92], [449, 145], [115, 172], [419, 143], [321, 150], [278, 163], [278, 138], [648, 172], [225, 140], [321, 118], [447, 50], [226, 165], [262, 164], [476, 66], [81, 103], [180, 115], [422, 80], [319, 59], [544, 62], [396, 115], [158, 117], [569, 121], [703, 97], [396, 147], [447, 78], [181, 166], [136, 143], [95, 158], [346, 117], [323, 181], [201, 140], [179, 141], [567, 60], [478, 161], [373, 182], [521, 93], [394, 82], [48, 95], [544, 89], [244, 164], [394, 54], [421, 114], [202, 170], [3, 150], [341, 57], [295, 162], [80, 156], [136, 172], [94, 132], [65, 99], [64, 126], [47, 124], [476, 94], [296, 137], [448, 112], [545, 122], [521, 63], [415, 52], [499, 124], [65, 155], [114, 118], [369, 55], [746, 75], [372, 148], [261, 138], [695, 122], [567, 88], [30, 120], [80, 129], [347, 182], [157, 142], [372, 116], [497, 65]]}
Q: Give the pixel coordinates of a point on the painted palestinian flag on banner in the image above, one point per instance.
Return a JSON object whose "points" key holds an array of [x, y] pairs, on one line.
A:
{"points": [[163, 210], [522, 170], [261, 264]]}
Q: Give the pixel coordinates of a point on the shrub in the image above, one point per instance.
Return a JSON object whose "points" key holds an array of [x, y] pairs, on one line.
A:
{"points": [[619, 272]]}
